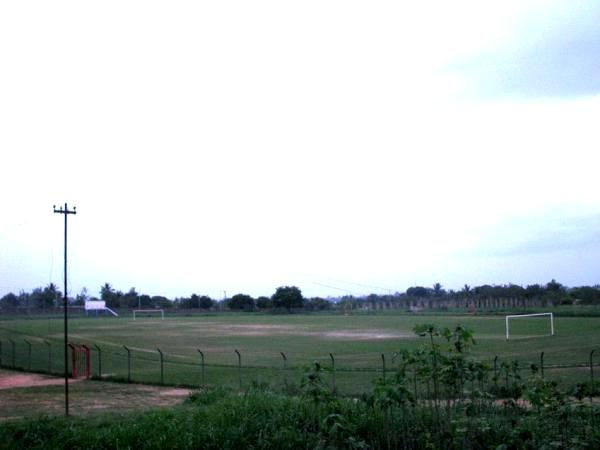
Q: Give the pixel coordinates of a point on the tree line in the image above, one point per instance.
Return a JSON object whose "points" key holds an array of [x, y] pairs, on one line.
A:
{"points": [[288, 298], [553, 292]]}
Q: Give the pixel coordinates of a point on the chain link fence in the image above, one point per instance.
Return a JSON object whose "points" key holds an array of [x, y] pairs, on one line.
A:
{"points": [[237, 370]]}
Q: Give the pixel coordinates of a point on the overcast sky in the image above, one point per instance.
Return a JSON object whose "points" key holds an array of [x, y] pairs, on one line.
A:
{"points": [[339, 146]]}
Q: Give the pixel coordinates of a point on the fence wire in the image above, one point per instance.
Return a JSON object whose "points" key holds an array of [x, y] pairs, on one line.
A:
{"points": [[239, 371]]}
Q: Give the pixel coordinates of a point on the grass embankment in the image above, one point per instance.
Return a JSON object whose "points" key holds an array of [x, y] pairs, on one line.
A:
{"points": [[219, 419]]}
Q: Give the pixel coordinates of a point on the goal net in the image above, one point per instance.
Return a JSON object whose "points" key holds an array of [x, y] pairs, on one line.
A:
{"points": [[148, 313], [529, 325]]}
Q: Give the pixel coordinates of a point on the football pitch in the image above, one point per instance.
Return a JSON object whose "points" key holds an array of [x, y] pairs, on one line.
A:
{"points": [[239, 349]]}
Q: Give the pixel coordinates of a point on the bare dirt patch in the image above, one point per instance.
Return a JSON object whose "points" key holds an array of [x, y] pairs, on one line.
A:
{"points": [[27, 395], [10, 380], [174, 392], [252, 329], [365, 335], [219, 329]]}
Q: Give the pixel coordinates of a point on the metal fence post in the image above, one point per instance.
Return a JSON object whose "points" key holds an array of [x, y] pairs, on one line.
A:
{"points": [[542, 363], [592, 375], [496, 371], [12, 344], [128, 363], [162, 371], [332, 371], [73, 361], [239, 367], [49, 355], [28, 354], [99, 360], [284, 369], [383, 364], [202, 364]]}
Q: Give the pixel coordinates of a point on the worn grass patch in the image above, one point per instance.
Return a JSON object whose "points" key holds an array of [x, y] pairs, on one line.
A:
{"points": [[45, 396]]}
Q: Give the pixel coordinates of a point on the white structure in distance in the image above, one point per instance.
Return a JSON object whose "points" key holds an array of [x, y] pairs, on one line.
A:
{"points": [[98, 305], [515, 316]]}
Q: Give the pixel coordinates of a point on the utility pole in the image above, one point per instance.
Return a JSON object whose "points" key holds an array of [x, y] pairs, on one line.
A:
{"points": [[66, 212]]}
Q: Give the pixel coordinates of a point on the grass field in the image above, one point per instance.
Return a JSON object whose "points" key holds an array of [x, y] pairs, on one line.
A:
{"points": [[355, 341]]}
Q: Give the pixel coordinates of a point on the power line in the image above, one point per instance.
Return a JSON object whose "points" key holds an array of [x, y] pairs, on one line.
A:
{"points": [[311, 277], [333, 287], [361, 285]]}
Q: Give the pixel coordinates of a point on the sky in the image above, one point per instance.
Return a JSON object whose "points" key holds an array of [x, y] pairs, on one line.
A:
{"points": [[343, 147]]}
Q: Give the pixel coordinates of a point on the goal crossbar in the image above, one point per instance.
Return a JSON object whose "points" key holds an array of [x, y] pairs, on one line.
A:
{"points": [[530, 315], [161, 311]]}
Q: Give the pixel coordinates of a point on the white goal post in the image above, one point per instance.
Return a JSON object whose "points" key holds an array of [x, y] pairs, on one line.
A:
{"points": [[144, 311], [515, 316]]}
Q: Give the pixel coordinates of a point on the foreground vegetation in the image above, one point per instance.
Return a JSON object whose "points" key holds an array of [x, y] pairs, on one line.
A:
{"points": [[455, 413], [219, 419]]}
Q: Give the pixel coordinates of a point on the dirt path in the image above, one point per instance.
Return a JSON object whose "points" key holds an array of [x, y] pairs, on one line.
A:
{"points": [[9, 380], [27, 395]]}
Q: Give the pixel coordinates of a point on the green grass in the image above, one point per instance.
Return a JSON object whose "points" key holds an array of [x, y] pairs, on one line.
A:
{"points": [[356, 341], [258, 419]]}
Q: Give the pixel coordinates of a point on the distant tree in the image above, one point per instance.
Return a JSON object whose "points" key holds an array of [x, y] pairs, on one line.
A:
{"points": [[182, 303], [438, 290], [373, 299], [555, 293], [586, 295], [81, 298], [130, 298], [347, 302], [241, 302], [25, 300], [533, 291], [554, 286], [466, 290], [159, 301], [145, 301], [484, 291], [194, 301], [264, 303], [288, 297], [317, 304], [106, 291], [36, 298], [205, 302], [514, 291], [51, 295], [47, 297], [417, 291], [10, 301], [110, 296]]}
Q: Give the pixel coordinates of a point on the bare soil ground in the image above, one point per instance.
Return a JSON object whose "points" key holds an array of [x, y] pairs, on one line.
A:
{"points": [[220, 329], [27, 395], [10, 380], [366, 335]]}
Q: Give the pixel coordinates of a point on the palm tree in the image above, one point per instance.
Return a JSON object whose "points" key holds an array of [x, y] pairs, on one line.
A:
{"points": [[437, 290], [466, 290]]}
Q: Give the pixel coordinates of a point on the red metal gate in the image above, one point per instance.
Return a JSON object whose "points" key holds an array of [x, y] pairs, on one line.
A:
{"points": [[80, 360]]}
